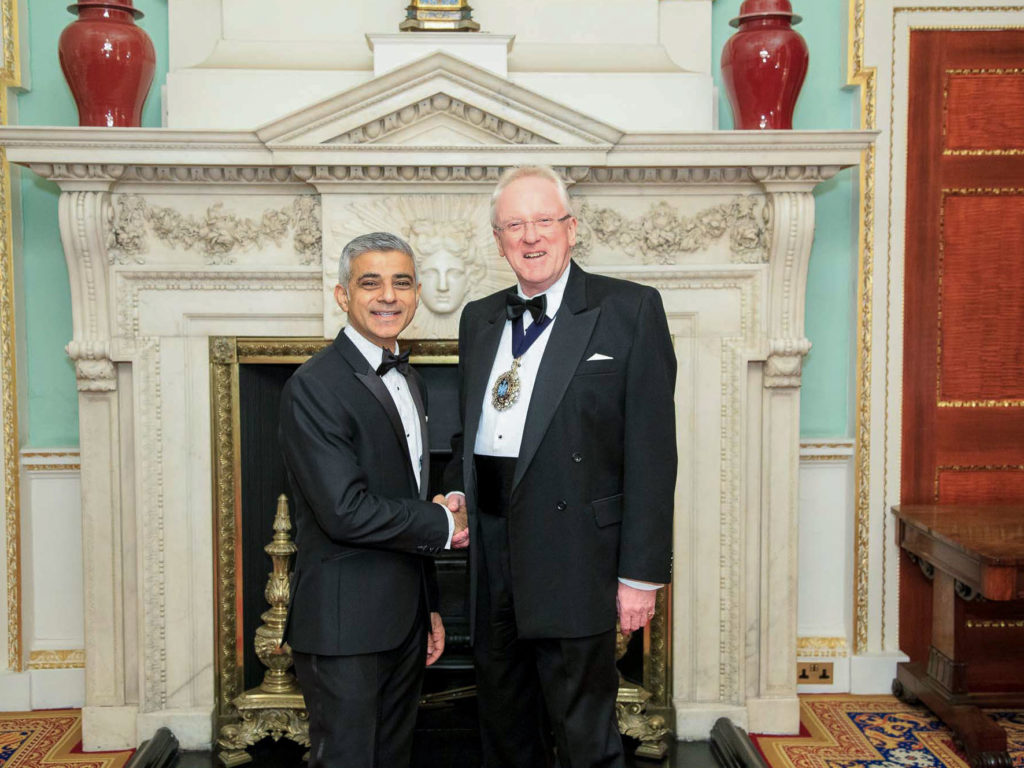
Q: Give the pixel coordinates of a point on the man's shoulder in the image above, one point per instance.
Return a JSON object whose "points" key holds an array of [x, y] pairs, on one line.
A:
{"points": [[609, 284], [324, 366], [487, 304], [326, 359], [605, 290]]}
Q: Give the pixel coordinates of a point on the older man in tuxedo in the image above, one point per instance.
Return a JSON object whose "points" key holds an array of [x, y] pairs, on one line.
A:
{"points": [[568, 463], [363, 618]]}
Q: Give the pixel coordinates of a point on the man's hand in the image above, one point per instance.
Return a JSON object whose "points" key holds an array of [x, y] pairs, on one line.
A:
{"points": [[435, 638], [636, 607], [457, 504]]}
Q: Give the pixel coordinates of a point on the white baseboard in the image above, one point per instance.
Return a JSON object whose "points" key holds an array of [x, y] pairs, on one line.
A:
{"points": [[873, 673], [15, 692], [57, 688]]}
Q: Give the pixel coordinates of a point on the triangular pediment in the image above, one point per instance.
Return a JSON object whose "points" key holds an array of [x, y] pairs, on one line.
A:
{"points": [[439, 120], [437, 101]]}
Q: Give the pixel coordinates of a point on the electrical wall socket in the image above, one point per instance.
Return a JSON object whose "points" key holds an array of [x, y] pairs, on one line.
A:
{"points": [[814, 673]]}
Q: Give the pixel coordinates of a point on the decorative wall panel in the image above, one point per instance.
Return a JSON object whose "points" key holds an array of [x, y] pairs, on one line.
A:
{"points": [[981, 304], [996, 94], [979, 484]]}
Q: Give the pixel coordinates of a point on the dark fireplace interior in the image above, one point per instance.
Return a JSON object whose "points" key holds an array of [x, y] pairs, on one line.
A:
{"points": [[263, 480]]}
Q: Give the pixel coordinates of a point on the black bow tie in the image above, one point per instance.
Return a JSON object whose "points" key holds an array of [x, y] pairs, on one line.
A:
{"points": [[516, 305], [399, 362]]}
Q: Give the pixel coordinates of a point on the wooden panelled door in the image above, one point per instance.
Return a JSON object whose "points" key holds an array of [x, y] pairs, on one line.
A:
{"points": [[963, 365]]}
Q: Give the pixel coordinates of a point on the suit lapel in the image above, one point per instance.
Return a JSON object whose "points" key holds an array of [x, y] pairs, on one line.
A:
{"points": [[415, 383], [368, 377], [569, 338]]}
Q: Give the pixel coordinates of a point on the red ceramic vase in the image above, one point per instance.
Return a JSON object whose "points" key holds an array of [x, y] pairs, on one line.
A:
{"points": [[764, 64], [108, 62]]}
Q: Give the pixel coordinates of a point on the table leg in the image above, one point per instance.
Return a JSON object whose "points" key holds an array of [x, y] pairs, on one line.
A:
{"points": [[983, 740]]}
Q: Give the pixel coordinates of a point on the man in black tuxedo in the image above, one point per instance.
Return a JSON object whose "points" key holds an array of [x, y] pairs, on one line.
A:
{"points": [[568, 463], [363, 616]]}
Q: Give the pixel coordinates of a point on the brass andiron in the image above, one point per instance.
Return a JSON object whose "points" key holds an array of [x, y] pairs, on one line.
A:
{"points": [[276, 708], [439, 16], [631, 712]]}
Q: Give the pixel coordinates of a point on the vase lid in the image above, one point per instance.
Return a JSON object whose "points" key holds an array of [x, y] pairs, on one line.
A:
{"points": [[753, 9], [119, 5]]}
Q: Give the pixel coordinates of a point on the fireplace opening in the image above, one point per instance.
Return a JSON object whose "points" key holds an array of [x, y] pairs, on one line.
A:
{"points": [[263, 478], [247, 377]]}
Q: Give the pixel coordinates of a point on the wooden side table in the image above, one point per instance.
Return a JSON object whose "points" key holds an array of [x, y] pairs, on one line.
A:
{"points": [[975, 559]]}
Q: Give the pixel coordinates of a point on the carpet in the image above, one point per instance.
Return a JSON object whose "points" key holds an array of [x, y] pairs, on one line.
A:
{"points": [[875, 732], [50, 739]]}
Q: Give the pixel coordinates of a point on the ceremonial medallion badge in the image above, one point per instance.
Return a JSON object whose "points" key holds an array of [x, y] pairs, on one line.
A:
{"points": [[505, 391]]}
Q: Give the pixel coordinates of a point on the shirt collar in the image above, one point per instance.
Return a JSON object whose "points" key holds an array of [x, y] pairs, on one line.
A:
{"points": [[373, 354], [554, 293]]}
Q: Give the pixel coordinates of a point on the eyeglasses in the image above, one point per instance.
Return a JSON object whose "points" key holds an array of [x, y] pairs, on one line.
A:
{"points": [[543, 224]]}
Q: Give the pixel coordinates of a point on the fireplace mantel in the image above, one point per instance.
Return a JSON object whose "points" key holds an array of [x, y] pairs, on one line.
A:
{"points": [[172, 237]]}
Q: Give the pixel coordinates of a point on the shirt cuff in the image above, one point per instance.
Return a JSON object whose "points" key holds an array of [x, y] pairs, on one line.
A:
{"points": [[451, 525], [645, 585]]}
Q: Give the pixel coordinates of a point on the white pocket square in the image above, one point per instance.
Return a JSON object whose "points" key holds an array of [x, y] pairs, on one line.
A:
{"points": [[598, 356]]}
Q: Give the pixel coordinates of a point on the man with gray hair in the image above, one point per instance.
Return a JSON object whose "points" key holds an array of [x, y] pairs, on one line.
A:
{"points": [[363, 619], [568, 463]]}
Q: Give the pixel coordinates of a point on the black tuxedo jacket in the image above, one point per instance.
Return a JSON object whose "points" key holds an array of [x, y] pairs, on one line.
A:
{"points": [[592, 497], [363, 529]]}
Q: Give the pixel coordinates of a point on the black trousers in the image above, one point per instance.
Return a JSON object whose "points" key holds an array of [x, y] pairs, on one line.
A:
{"points": [[362, 708], [531, 691]]}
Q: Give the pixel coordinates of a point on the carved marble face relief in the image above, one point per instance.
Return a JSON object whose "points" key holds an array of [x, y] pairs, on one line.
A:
{"points": [[450, 236], [442, 253]]}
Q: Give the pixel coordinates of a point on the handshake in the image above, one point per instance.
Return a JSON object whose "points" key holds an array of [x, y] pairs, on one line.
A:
{"points": [[455, 502]]}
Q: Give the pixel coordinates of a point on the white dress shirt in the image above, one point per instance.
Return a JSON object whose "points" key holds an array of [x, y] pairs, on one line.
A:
{"points": [[398, 388], [500, 433]]}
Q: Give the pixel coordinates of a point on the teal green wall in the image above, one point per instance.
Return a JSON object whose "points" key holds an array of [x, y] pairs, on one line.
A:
{"points": [[825, 103], [826, 404], [46, 310]]}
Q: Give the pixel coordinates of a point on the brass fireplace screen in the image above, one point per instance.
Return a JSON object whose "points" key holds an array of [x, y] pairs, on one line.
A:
{"points": [[248, 474]]}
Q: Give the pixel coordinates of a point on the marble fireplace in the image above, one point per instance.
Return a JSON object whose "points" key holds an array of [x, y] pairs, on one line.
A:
{"points": [[175, 236]]}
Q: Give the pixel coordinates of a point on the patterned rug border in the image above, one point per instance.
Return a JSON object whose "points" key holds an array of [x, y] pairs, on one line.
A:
{"points": [[829, 738], [54, 741]]}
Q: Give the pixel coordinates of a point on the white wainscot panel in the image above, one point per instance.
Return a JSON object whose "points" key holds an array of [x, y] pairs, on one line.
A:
{"points": [[53, 611], [824, 607]]}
